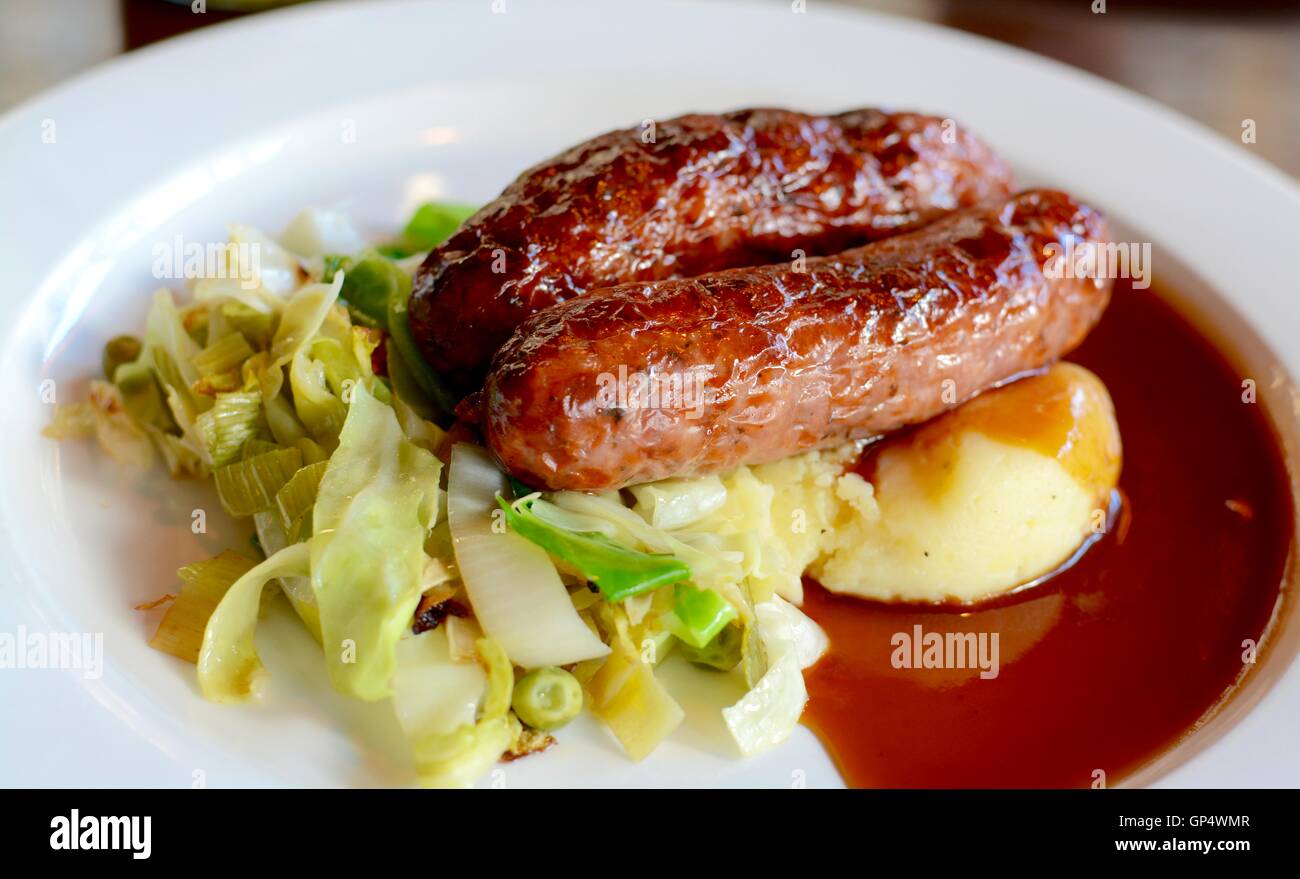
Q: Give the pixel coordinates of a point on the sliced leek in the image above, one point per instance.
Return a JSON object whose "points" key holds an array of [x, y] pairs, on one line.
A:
{"points": [[250, 486], [229, 669], [229, 424], [224, 355], [298, 495], [180, 632]]}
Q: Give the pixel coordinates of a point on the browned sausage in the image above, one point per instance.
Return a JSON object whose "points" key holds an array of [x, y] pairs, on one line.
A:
{"points": [[694, 194], [751, 365]]}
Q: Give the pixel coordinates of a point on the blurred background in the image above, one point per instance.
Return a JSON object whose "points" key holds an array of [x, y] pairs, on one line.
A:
{"points": [[1219, 61]]}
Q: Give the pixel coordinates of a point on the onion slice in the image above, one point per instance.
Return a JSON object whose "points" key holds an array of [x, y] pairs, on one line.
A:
{"points": [[515, 590]]}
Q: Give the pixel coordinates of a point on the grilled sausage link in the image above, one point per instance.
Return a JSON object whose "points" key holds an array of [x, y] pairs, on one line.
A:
{"points": [[686, 377], [694, 194]]}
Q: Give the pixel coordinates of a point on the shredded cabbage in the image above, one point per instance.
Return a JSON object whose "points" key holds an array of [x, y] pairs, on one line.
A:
{"points": [[374, 507], [180, 632], [297, 589], [617, 571], [437, 700], [225, 355], [766, 715], [265, 383], [516, 593], [677, 503], [298, 496], [303, 316], [321, 411], [229, 669]]}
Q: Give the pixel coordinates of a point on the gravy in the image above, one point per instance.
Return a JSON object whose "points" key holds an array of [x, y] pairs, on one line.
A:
{"points": [[1115, 658]]}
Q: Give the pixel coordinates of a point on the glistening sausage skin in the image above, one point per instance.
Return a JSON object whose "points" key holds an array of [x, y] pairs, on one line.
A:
{"points": [[682, 197], [686, 377]]}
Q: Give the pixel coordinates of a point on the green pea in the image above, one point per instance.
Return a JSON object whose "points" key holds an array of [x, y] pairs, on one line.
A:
{"points": [[119, 350], [722, 653], [547, 698]]}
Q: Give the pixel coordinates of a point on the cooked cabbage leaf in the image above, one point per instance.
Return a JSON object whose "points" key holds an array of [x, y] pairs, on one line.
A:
{"points": [[302, 317], [374, 507], [516, 592], [399, 329], [436, 700], [766, 715], [617, 571], [698, 615], [229, 669]]}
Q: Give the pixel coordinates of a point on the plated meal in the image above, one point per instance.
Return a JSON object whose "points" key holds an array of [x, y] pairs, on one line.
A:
{"points": [[824, 404]]}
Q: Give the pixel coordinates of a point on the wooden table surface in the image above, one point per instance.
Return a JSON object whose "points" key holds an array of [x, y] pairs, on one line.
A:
{"points": [[1219, 61]]}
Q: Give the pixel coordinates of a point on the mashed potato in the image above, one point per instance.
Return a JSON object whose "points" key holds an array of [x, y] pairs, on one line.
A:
{"points": [[992, 495]]}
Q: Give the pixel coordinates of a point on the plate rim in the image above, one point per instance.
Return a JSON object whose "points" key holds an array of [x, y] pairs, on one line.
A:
{"points": [[226, 33]]}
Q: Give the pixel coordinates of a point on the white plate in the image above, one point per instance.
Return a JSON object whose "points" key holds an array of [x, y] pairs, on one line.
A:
{"points": [[375, 107]]}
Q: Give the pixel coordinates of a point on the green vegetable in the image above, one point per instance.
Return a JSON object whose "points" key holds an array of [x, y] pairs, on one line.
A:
{"points": [[432, 695], [282, 421], [765, 716], [374, 508], [698, 615], [722, 653], [396, 250], [335, 263], [298, 496], [254, 325], [340, 366], [270, 537], [547, 698], [635, 706], [258, 446], [518, 488], [301, 318], [607, 513], [312, 452], [368, 283], [677, 503], [118, 351], [434, 222], [170, 351], [248, 487], [517, 595], [399, 328], [180, 632], [617, 571], [141, 395], [319, 409], [165, 335], [229, 669], [404, 384], [231, 422], [224, 355]]}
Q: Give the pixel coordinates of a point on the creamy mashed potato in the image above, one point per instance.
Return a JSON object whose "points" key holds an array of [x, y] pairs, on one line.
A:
{"points": [[996, 493]]}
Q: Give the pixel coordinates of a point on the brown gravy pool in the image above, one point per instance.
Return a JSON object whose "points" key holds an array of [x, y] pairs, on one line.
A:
{"points": [[1113, 660]]}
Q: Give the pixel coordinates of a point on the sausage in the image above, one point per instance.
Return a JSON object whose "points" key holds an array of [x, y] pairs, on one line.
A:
{"points": [[687, 377], [694, 194]]}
